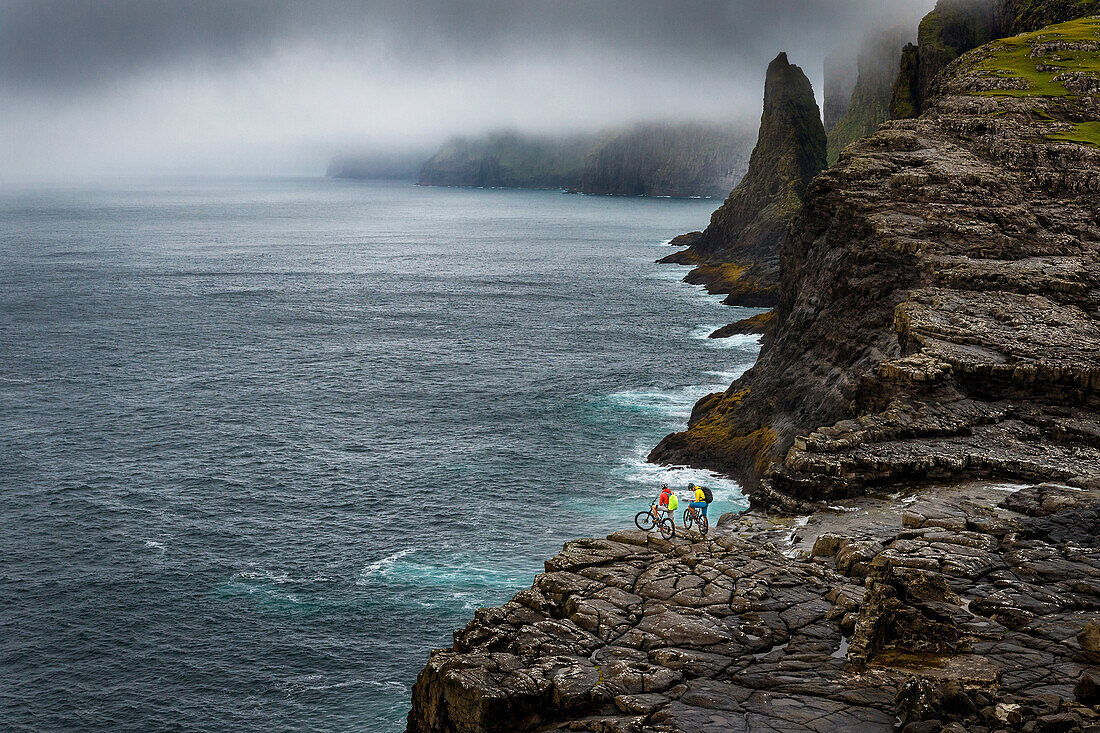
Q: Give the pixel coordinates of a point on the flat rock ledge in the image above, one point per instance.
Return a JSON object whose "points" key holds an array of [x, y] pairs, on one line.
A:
{"points": [[960, 608]]}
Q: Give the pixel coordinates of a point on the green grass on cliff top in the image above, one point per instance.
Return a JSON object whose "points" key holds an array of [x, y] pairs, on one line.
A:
{"points": [[1083, 132], [1012, 57]]}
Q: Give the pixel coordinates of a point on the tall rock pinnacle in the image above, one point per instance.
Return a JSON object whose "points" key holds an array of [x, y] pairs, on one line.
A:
{"points": [[739, 252]]}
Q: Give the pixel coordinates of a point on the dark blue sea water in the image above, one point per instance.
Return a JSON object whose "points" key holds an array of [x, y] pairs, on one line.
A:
{"points": [[264, 444]]}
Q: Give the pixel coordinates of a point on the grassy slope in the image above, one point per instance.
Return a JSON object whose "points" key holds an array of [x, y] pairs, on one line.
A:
{"points": [[1019, 58]]}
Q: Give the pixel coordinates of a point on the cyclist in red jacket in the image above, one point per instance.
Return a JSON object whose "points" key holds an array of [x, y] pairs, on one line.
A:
{"points": [[667, 502]]}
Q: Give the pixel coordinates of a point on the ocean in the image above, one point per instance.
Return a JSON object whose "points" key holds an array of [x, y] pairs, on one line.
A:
{"points": [[265, 443]]}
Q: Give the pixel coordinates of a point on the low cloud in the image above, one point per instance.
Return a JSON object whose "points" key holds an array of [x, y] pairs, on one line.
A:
{"points": [[114, 87]]}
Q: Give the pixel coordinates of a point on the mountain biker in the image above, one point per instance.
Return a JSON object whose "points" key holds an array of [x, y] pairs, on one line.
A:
{"points": [[667, 502], [701, 500]]}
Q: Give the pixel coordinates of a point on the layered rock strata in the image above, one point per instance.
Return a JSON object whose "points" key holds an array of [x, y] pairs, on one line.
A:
{"points": [[941, 296], [738, 253], [968, 608]]}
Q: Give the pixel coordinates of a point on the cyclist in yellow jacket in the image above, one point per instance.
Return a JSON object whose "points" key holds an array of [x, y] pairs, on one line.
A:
{"points": [[700, 501]]}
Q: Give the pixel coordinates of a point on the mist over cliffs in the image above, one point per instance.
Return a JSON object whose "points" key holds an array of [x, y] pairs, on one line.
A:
{"points": [[654, 159], [508, 160], [868, 103]]}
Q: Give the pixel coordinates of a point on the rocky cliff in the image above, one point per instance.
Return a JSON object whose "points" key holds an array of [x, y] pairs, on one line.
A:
{"points": [[951, 29], [939, 305], [668, 160], [869, 104], [738, 253], [957, 26], [659, 159], [930, 390], [973, 609]]}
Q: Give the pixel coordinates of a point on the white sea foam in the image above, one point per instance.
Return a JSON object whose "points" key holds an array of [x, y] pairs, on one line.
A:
{"points": [[727, 377], [380, 566], [154, 545], [737, 341], [317, 683], [674, 403], [704, 330], [265, 574], [641, 481]]}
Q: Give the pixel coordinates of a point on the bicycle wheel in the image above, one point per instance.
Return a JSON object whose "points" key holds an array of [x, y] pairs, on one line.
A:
{"points": [[668, 529], [644, 520], [687, 519], [704, 525]]}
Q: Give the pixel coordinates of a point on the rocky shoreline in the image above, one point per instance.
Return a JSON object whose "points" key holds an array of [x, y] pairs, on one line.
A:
{"points": [[970, 606], [920, 440], [938, 316]]}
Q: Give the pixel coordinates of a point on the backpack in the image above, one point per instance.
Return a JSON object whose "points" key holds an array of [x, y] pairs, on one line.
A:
{"points": [[673, 502], [708, 497]]}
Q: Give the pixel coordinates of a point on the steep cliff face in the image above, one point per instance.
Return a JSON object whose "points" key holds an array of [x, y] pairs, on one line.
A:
{"points": [[508, 160], [668, 160], [952, 28], [738, 253], [869, 105], [941, 295]]}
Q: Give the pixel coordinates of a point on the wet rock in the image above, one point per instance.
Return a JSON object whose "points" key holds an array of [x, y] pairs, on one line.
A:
{"points": [[1087, 689], [1089, 638]]}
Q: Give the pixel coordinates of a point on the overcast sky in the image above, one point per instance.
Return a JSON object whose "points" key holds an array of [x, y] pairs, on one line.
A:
{"points": [[90, 87]]}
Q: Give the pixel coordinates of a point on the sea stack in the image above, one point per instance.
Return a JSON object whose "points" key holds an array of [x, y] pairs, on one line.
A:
{"points": [[738, 253]]}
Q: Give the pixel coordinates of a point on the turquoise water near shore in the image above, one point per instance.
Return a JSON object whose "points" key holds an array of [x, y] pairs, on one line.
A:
{"points": [[264, 444]]}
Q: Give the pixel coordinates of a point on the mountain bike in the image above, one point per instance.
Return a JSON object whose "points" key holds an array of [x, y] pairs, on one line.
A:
{"points": [[693, 516], [647, 520]]}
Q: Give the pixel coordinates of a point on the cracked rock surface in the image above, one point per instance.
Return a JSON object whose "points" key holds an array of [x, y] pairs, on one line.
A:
{"points": [[975, 605]]}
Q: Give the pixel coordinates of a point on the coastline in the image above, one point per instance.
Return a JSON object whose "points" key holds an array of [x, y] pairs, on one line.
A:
{"points": [[918, 443]]}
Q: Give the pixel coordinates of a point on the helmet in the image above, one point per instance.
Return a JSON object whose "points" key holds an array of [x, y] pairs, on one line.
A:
{"points": [[664, 486]]}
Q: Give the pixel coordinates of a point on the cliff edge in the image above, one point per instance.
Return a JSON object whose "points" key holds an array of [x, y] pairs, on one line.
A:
{"points": [[939, 304]]}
